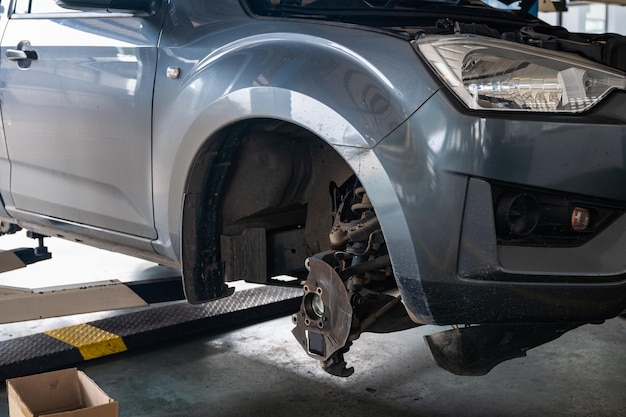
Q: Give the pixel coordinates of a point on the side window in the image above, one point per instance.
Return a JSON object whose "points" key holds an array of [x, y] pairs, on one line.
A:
{"points": [[40, 7], [22, 6]]}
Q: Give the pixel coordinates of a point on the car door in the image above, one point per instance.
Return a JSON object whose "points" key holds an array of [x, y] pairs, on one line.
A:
{"points": [[77, 105]]}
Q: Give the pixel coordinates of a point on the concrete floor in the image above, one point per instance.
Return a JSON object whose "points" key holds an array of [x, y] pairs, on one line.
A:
{"points": [[260, 369]]}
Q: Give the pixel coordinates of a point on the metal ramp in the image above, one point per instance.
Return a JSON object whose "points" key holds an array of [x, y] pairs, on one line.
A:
{"points": [[148, 327]]}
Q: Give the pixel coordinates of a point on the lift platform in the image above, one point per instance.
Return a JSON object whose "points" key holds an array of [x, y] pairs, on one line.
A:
{"points": [[20, 304], [162, 316], [19, 258]]}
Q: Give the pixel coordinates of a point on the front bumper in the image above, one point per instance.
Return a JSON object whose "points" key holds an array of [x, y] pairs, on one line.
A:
{"points": [[449, 265]]}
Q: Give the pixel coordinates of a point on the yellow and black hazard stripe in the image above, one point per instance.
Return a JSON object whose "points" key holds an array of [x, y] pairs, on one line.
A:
{"points": [[68, 346], [91, 341]]}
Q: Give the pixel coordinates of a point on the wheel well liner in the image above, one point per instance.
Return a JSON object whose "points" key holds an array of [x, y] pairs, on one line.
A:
{"points": [[254, 174]]}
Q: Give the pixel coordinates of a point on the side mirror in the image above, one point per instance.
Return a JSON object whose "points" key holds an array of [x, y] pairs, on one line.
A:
{"points": [[134, 6]]}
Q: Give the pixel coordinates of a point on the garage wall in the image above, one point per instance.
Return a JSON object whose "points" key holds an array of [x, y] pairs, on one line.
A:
{"points": [[591, 18]]}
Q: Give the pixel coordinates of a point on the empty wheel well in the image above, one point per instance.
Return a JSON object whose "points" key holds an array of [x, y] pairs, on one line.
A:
{"points": [[277, 208], [257, 204]]}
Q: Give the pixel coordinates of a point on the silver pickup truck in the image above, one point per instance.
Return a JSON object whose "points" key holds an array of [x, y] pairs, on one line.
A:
{"points": [[472, 158]]}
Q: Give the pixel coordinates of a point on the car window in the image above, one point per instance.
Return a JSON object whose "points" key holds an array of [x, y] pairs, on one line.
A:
{"points": [[22, 6], [40, 7]]}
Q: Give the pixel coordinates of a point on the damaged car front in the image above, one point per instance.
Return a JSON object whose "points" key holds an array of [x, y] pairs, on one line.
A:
{"points": [[498, 203]]}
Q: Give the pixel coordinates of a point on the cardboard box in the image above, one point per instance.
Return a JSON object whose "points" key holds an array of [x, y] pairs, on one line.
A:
{"points": [[65, 393]]}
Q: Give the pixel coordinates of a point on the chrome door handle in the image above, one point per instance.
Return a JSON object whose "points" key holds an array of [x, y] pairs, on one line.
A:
{"points": [[20, 55], [23, 54]]}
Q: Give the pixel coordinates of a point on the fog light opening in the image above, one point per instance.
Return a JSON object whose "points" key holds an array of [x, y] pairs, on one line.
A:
{"points": [[518, 214], [581, 217]]}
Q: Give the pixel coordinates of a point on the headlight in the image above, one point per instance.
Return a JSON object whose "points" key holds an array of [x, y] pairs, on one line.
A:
{"points": [[493, 74]]}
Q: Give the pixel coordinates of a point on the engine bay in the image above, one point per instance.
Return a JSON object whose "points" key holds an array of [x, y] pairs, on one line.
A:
{"points": [[607, 49]]}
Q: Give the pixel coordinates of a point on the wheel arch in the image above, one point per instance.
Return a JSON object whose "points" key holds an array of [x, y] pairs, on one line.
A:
{"points": [[222, 158], [253, 171], [192, 163]]}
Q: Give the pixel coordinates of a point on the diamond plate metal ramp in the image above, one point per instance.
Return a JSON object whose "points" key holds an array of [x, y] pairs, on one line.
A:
{"points": [[146, 328]]}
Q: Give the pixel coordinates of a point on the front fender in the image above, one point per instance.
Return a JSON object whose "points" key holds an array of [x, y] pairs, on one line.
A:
{"points": [[373, 79], [174, 167], [336, 81], [390, 202]]}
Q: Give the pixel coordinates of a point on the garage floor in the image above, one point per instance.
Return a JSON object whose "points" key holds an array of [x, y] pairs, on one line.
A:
{"points": [[260, 369]]}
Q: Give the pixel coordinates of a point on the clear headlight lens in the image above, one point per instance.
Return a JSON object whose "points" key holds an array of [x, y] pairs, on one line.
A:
{"points": [[498, 75]]}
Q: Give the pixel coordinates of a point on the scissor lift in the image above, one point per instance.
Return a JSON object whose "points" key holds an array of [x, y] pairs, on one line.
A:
{"points": [[159, 317]]}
